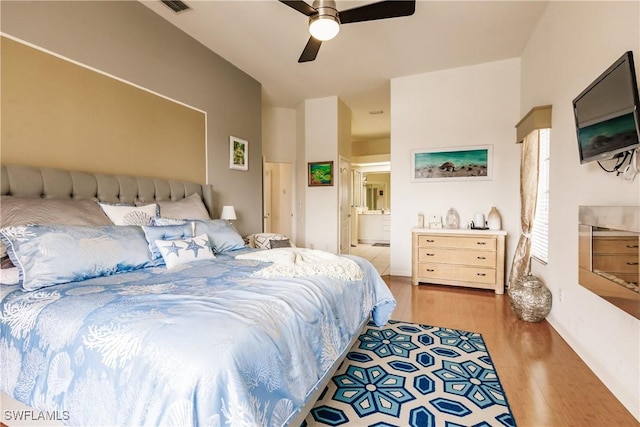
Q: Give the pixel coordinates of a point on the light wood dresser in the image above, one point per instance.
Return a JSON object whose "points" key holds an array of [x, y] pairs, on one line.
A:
{"points": [[459, 257]]}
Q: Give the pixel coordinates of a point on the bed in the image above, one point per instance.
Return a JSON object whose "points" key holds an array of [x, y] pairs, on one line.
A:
{"points": [[141, 324]]}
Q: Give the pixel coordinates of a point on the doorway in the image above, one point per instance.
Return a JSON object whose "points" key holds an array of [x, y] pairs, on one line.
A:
{"points": [[372, 206], [344, 206], [277, 193]]}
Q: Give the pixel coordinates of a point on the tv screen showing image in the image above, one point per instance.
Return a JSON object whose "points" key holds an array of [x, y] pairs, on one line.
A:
{"points": [[610, 136], [606, 113]]}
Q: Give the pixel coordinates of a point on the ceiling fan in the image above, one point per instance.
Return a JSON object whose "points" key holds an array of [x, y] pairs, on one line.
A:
{"points": [[325, 19]]}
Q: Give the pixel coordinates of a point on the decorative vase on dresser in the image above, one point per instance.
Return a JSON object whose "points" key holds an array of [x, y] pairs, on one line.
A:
{"points": [[494, 220], [459, 257], [452, 219]]}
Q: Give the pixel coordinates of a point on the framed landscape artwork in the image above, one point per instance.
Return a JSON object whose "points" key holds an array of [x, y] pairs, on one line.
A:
{"points": [[452, 164], [238, 154], [320, 174]]}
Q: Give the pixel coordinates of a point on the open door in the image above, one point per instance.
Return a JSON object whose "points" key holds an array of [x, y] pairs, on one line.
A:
{"points": [[266, 207], [278, 202], [345, 206]]}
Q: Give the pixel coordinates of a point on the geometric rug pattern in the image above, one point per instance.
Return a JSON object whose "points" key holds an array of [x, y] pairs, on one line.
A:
{"points": [[406, 374]]}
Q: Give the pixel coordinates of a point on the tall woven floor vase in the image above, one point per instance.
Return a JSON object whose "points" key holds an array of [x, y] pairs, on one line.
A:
{"points": [[530, 299]]}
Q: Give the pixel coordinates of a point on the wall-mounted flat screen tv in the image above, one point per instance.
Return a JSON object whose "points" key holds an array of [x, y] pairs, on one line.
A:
{"points": [[607, 113]]}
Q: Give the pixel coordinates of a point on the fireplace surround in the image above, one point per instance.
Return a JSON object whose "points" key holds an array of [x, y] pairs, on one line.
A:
{"points": [[608, 254]]}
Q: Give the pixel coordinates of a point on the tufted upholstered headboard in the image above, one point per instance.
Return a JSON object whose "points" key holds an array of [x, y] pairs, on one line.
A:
{"points": [[27, 181]]}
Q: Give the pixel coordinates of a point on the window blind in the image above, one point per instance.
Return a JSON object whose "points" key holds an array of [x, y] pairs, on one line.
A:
{"points": [[540, 232]]}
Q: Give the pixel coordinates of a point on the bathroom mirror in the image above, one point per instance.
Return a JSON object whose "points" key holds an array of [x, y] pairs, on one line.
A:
{"points": [[376, 196], [376, 187]]}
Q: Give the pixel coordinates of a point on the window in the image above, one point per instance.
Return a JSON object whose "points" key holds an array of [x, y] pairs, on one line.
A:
{"points": [[540, 233]]}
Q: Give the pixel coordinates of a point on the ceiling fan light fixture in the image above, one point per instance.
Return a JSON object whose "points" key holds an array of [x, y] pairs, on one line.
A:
{"points": [[324, 27]]}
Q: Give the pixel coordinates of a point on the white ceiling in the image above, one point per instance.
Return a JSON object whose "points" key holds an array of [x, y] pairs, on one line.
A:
{"points": [[265, 38]]}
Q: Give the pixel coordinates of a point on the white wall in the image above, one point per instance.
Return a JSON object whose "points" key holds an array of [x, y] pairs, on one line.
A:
{"points": [[300, 173], [573, 43], [279, 134], [279, 146], [321, 144], [476, 105], [318, 130]]}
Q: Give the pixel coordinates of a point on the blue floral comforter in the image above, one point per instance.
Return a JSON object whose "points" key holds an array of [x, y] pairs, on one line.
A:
{"points": [[204, 344]]}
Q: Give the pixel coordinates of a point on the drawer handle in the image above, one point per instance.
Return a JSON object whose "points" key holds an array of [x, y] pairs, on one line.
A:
{"points": [[482, 257], [430, 254], [430, 240], [431, 270], [632, 263], [481, 274], [481, 243], [632, 246]]}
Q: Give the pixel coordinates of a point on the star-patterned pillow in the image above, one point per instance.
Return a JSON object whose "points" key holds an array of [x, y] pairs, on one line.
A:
{"points": [[177, 252]]}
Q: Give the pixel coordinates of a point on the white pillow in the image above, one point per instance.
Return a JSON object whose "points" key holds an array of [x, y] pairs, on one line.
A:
{"points": [[130, 215], [178, 252]]}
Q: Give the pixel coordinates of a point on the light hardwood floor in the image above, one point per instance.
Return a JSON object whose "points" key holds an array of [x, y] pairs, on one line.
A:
{"points": [[378, 255], [546, 383]]}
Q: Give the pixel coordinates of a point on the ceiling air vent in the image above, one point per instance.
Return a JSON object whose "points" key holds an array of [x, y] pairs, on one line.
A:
{"points": [[176, 5]]}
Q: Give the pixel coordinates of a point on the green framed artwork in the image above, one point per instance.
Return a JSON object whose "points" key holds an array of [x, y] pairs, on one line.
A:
{"points": [[238, 154], [320, 174]]}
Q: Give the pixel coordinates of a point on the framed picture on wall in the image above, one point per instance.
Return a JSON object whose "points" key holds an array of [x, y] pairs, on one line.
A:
{"points": [[320, 174], [452, 163], [238, 154]]}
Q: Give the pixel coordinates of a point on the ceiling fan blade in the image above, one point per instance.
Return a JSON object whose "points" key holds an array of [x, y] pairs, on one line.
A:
{"points": [[300, 6], [310, 50], [379, 10]]}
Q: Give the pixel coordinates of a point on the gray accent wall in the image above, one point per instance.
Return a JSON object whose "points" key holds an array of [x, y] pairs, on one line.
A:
{"points": [[129, 41]]}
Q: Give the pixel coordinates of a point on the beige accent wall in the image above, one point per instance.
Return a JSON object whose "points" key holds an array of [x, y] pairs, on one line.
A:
{"points": [[127, 40], [59, 114]]}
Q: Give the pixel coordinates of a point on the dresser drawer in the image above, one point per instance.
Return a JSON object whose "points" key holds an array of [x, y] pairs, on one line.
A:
{"points": [[466, 242], [457, 273], [616, 263], [457, 256], [611, 245]]}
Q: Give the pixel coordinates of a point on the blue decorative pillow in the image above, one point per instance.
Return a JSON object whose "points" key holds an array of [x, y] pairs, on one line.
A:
{"points": [[161, 222], [51, 254], [167, 232], [222, 236], [183, 251]]}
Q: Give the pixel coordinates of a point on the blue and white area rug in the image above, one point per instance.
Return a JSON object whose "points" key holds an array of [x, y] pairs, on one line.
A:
{"points": [[406, 374]]}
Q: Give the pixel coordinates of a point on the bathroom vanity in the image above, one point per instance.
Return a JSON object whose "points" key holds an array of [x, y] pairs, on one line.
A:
{"points": [[374, 227]]}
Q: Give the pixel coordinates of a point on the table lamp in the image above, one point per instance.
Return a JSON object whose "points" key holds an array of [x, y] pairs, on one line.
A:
{"points": [[228, 213]]}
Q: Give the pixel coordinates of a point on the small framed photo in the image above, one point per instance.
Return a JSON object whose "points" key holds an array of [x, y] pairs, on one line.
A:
{"points": [[320, 174], [238, 154]]}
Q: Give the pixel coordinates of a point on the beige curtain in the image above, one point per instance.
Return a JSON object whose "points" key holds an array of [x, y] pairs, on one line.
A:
{"points": [[528, 195]]}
